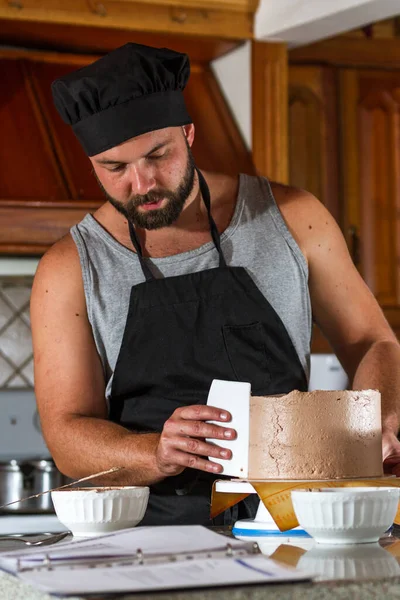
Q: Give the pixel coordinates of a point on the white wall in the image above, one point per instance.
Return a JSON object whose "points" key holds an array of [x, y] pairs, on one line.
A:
{"points": [[18, 266], [300, 22], [233, 73]]}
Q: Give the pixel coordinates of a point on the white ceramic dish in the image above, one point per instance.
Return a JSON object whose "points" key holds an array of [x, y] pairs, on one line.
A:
{"points": [[88, 512], [346, 515]]}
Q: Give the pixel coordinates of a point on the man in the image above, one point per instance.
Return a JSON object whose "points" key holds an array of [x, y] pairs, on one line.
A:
{"points": [[180, 278]]}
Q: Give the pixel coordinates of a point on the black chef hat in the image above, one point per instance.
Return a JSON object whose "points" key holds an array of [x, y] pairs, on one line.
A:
{"points": [[130, 91]]}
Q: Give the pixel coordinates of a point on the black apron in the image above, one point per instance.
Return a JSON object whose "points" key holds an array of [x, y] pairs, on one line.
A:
{"points": [[181, 333]]}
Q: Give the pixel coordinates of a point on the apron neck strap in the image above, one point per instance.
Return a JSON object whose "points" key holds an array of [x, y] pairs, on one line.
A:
{"points": [[136, 244], [205, 193]]}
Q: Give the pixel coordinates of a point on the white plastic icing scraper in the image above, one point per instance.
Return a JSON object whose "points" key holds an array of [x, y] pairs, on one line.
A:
{"points": [[233, 396]]}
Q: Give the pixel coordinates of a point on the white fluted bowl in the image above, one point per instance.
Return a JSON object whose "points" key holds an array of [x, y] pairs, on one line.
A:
{"points": [[88, 512], [346, 515]]}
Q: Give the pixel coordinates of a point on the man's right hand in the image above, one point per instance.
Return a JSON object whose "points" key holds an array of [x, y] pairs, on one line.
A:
{"points": [[182, 442]]}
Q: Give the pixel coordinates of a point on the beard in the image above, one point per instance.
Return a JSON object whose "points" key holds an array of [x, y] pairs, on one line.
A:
{"points": [[157, 217]]}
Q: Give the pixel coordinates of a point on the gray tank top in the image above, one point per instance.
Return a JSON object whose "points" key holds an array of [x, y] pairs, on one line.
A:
{"points": [[257, 239]]}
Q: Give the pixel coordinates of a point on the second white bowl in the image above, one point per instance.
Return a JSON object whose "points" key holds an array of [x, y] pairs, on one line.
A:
{"points": [[89, 512], [346, 515]]}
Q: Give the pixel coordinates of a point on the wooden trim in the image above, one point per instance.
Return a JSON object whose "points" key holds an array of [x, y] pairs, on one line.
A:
{"points": [[22, 250], [350, 182], [214, 20], [80, 60], [60, 58], [396, 192], [383, 53], [29, 230], [12, 203], [231, 5], [331, 149], [366, 200], [63, 38], [270, 110]]}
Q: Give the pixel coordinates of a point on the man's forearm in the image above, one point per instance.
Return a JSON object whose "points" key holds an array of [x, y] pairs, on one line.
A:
{"points": [[82, 446], [380, 369]]}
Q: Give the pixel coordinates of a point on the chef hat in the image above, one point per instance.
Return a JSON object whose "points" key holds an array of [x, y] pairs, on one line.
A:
{"points": [[130, 91]]}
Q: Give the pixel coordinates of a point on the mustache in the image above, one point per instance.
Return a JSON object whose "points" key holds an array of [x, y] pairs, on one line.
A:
{"points": [[150, 197]]}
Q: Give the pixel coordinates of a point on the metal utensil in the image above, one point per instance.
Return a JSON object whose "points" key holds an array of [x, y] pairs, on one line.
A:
{"points": [[49, 539], [67, 485]]}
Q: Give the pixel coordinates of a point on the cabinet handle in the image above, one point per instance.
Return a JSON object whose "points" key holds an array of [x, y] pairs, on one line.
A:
{"points": [[100, 9], [15, 4], [178, 16], [354, 248]]}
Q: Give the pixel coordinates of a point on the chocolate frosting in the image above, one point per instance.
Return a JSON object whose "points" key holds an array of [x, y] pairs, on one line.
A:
{"points": [[316, 435]]}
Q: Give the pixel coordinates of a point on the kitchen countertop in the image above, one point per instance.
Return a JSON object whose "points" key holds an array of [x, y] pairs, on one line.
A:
{"points": [[372, 571], [389, 589]]}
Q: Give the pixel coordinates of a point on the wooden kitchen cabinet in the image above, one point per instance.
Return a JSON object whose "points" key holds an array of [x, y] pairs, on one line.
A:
{"points": [[313, 133], [370, 166], [313, 143], [344, 147], [366, 90], [46, 181]]}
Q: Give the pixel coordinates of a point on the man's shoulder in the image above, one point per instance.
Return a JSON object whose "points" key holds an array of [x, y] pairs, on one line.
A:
{"points": [[63, 250], [60, 262], [306, 217], [285, 194], [58, 293], [296, 203]]}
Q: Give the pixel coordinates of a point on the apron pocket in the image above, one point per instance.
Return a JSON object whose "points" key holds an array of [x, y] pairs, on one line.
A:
{"points": [[247, 355]]}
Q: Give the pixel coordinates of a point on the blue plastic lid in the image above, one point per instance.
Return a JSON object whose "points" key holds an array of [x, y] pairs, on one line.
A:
{"points": [[270, 533]]}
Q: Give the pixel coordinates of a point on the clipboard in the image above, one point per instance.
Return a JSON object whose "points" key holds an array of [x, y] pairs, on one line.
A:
{"points": [[210, 560], [139, 558]]}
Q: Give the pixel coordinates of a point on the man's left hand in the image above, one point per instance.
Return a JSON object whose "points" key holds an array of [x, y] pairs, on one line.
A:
{"points": [[391, 453]]}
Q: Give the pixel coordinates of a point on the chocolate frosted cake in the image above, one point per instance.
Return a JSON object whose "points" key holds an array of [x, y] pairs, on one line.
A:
{"points": [[316, 435]]}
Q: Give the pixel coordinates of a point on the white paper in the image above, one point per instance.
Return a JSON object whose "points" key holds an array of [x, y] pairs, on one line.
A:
{"points": [[233, 396], [169, 539], [189, 574]]}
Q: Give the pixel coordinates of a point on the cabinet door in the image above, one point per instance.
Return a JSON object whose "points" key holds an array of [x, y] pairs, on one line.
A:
{"points": [[29, 171], [313, 133], [370, 126], [313, 144]]}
